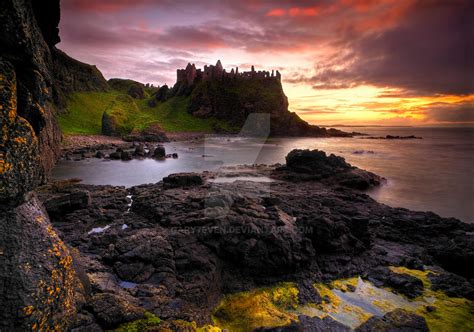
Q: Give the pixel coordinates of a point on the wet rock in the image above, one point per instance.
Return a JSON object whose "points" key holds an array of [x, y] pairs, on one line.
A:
{"points": [[315, 162], [452, 284], [313, 324], [139, 151], [397, 320], [68, 202], [183, 180], [116, 155], [99, 155], [112, 310], [316, 165], [401, 283], [125, 155], [159, 152]]}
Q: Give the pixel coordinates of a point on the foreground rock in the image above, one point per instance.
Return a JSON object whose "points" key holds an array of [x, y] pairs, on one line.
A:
{"points": [[39, 286], [185, 242], [304, 165]]}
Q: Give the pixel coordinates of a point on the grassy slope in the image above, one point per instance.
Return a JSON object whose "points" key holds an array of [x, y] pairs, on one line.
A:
{"points": [[85, 111]]}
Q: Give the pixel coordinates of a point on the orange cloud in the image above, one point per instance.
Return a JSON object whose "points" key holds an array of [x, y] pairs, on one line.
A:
{"points": [[277, 12], [295, 12]]}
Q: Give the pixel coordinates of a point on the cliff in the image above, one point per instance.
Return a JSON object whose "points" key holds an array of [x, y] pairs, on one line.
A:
{"points": [[233, 96], [38, 285], [34, 78]]}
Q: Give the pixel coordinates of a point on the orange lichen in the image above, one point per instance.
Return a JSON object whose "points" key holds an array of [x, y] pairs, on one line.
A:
{"points": [[4, 166], [28, 310], [20, 140]]}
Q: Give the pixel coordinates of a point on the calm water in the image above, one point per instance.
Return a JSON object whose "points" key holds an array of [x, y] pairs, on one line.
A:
{"points": [[432, 174]]}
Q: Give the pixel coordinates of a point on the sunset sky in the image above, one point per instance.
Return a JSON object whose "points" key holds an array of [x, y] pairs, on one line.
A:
{"points": [[384, 62]]}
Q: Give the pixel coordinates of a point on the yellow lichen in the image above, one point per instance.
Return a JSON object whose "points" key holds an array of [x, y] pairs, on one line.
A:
{"points": [[422, 275], [265, 307], [344, 284], [28, 310]]}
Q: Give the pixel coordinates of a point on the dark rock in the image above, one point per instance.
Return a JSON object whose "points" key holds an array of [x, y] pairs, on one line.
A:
{"points": [[125, 155], [311, 324], [307, 293], [67, 202], [99, 154], [136, 91], [401, 283], [183, 180], [37, 280], [140, 151], [315, 162], [452, 284], [306, 165], [115, 155], [159, 152], [175, 156], [112, 310], [397, 320], [109, 125], [162, 94]]}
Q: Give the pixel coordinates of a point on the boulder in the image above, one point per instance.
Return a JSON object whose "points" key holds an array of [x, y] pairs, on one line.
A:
{"points": [[183, 180], [116, 155], [159, 152], [153, 133], [396, 320], [61, 203], [312, 324], [139, 151], [315, 162], [125, 155], [404, 284], [136, 91]]}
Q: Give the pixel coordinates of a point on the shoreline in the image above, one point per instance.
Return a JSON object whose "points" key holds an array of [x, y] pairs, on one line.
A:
{"points": [[307, 225]]}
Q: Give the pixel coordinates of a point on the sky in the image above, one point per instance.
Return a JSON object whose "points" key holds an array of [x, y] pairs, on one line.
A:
{"points": [[352, 62]]}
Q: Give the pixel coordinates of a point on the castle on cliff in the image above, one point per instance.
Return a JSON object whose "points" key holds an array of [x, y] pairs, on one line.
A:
{"points": [[191, 74]]}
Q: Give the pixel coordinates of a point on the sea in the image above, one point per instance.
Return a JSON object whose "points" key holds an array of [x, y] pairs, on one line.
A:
{"points": [[434, 173]]}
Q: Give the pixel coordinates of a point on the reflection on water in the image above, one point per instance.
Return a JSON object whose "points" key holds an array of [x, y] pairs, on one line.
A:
{"points": [[432, 174]]}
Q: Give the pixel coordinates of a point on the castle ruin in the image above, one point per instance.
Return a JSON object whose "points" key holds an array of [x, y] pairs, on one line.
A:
{"points": [[190, 74]]}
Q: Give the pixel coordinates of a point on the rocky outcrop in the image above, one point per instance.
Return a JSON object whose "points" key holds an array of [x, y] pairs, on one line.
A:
{"points": [[185, 242], [397, 320], [233, 96], [316, 165], [34, 78], [71, 76], [39, 288]]}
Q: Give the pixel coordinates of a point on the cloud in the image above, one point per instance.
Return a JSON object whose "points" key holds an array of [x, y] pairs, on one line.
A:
{"points": [[430, 51], [452, 113]]}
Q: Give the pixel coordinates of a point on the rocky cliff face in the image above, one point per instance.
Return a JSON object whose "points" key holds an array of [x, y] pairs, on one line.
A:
{"points": [[38, 284], [234, 96], [34, 78]]}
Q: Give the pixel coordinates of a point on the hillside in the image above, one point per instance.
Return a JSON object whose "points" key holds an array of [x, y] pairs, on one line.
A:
{"points": [[212, 101], [86, 110]]}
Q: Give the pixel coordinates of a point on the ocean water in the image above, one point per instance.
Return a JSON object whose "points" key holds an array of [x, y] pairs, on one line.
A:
{"points": [[430, 174]]}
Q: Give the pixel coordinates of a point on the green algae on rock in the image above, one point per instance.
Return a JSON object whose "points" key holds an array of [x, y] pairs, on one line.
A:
{"points": [[348, 301]]}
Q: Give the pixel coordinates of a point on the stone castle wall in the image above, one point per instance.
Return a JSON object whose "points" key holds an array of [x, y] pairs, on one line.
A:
{"points": [[190, 74]]}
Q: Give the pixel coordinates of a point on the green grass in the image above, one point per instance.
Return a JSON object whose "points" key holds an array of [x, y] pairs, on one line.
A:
{"points": [[85, 110]]}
